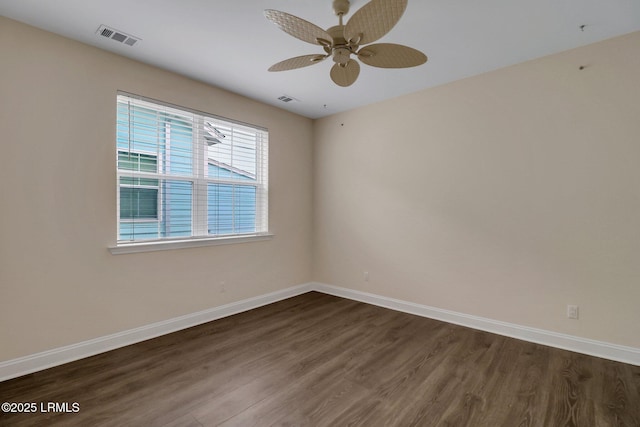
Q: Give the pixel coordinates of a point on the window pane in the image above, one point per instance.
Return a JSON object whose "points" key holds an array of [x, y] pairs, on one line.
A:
{"points": [[245, 209], [127, 161], [220, 209], [179, 145], [231, 150], [148, 163], [138, 230], [142, 217], [231, 209], [137, 162], [147, 182], [138, 203], [177, 208]]}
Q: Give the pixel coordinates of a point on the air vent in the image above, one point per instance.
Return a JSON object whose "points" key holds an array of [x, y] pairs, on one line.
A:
{"points": [[117, 35], [286, 98]]}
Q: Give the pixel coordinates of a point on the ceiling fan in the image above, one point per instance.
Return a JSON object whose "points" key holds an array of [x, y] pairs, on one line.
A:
{"points": [[368, 24]]}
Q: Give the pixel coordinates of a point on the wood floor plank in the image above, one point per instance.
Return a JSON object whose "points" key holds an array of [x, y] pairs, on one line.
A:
{"points": [[618, 408], [317, 366], [569, 406], [525, 398], [320, 360], [184, 421]]}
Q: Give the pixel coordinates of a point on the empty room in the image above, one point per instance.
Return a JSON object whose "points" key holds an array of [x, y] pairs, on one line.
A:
{"points": [[319, 213]]}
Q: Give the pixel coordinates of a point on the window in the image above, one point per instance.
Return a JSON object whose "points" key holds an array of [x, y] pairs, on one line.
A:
{"points": [[187, 175], [138, 196]]}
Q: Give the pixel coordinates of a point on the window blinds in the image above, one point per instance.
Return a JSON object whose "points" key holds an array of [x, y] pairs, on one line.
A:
{"points": [[183, 174]]}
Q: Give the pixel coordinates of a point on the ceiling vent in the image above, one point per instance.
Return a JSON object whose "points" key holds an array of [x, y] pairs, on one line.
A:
{"points": [[287, 98], [117, 35]]}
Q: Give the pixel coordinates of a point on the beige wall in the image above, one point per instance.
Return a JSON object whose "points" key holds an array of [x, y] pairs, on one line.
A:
{"points": [[507, 195], [59, 284]]}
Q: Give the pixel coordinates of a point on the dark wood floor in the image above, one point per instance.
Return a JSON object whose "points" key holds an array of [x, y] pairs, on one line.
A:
{"points": [[319, 360]]}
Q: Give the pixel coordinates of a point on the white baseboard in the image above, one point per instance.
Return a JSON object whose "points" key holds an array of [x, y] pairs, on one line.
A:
{"points": [[47, 359], [601, 349], [58, 356]]}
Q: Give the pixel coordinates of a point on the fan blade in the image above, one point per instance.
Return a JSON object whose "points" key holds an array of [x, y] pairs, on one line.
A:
{"points": [[297, 62], [297, 27], [389, 55], [374, 20], [345, 76]]}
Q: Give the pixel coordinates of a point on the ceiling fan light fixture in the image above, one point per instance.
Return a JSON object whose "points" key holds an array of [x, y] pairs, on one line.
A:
{"points": [[341, 55]]}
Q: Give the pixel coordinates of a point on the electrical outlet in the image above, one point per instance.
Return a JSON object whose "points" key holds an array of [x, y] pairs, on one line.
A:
{"points": [[365, 275], [572, 311], [223, 288]]}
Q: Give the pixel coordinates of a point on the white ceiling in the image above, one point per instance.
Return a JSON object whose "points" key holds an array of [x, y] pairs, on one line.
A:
{"points": [[230, 44]]}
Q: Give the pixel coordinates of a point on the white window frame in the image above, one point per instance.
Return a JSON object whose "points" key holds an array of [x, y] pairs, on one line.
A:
{"points": [[200, 181]]}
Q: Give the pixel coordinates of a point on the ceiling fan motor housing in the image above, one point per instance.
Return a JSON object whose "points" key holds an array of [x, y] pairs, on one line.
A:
{"points": [[341, 50], [341, 7]]}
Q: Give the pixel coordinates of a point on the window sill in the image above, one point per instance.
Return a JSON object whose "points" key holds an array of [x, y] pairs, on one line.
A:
{"points": [[131, 248]]}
